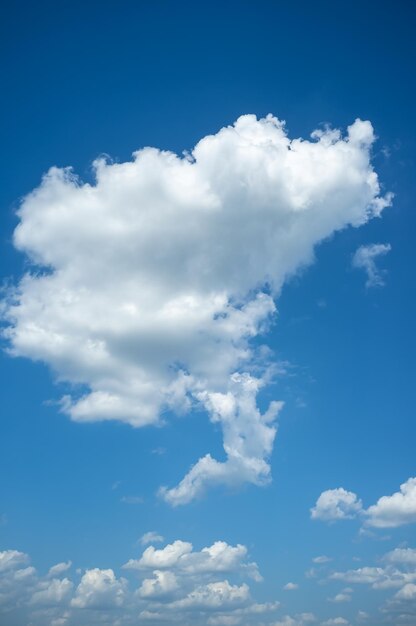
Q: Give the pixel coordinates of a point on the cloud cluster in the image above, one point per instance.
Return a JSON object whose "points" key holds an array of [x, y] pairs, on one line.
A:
{"points": [[397, 573], [147, 288], [174, 583], [388, 512]]}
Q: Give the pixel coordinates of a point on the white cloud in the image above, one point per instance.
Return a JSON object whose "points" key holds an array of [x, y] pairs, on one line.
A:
{"points": [[388, 512], [395, 510], [53, 592], [59, 568], [365, 258], [340, 597], [320, 560], [408, 592], [336, 621], [162, 584], [149, 286], [218, 595], [151, 537], [301, 619], [189, 589], [12, 559], [291, 587], [248, 438], [165, 557], [405, 556], [99, 588], [378, 577], [179, 555], [336, 504]]}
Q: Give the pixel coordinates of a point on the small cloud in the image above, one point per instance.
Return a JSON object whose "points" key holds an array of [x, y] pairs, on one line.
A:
{"points": [[321, 559], [340, 597], [159, 451], [132, 500], [291, 587], [395, 510], [116, 484], [364, 258], [336, 504], [151, 537], [58, 569], [300, 403]]}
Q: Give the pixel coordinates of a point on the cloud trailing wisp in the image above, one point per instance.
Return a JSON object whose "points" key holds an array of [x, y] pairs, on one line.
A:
{"points": [[148, 287]]}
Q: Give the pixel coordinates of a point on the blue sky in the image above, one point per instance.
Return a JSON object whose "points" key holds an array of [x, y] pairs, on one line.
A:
{"points": [[172, 300]]}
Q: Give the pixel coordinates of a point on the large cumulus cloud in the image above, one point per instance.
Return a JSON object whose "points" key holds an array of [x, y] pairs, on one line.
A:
{"points": [[148, 287]]}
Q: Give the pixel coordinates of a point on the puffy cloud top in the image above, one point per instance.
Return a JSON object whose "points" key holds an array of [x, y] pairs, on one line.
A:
{"points": [[336, 504], [395, 510]]}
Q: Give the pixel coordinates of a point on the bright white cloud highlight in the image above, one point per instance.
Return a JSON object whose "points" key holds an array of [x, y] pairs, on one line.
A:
{"points": [[336, 504], [148, 287], [395, 510], [365, 258], [180, 556], [388, 512], [99, 588], [11, 559]]}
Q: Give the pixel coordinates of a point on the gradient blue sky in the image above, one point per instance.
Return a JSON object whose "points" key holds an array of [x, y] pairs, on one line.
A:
{"points": [[83, 79]]}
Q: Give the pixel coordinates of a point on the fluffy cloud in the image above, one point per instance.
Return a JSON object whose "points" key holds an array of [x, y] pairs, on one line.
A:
{"points": [[150, 537], [52, 592], [148, 287], [336, 504], [99, 588], [398, 574], [11, 559], [365, 258], [218, 595], [179, 555], [395, 510], [320, 560], [291, 587], [162, 584], [341, 597], [388, 512], [408, 592], [59, 568], [405, 556], [187, 587]]}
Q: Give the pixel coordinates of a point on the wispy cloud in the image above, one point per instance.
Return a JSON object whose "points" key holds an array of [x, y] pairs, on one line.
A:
{"points": [[365, 258]]}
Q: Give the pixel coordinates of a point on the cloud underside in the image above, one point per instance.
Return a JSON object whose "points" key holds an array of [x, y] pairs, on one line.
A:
{"points": [[148, 288]]}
